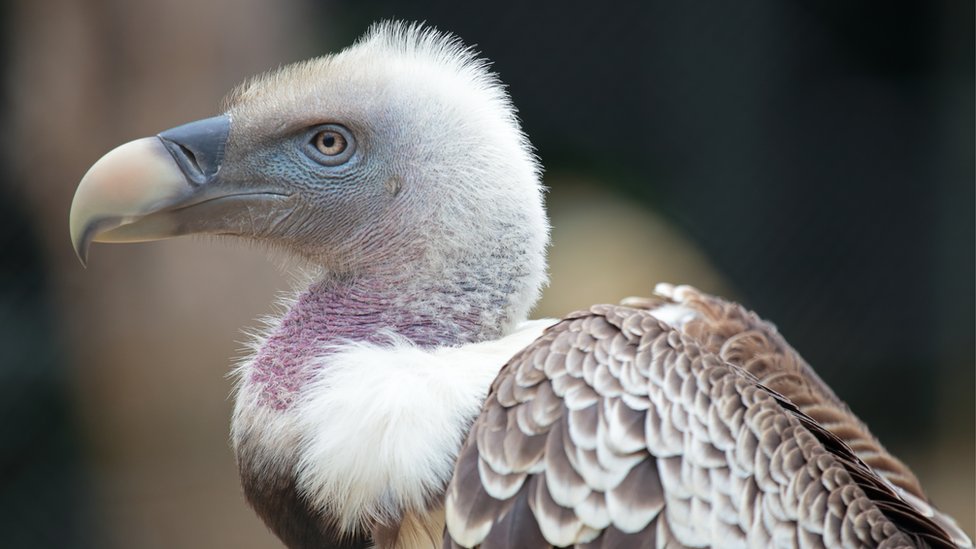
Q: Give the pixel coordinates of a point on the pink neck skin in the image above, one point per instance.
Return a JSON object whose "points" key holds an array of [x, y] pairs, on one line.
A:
{"points": [[336, 312]]}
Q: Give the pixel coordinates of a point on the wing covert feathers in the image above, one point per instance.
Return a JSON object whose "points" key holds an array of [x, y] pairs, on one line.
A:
{"points": [[616, 430], [740, 337]]}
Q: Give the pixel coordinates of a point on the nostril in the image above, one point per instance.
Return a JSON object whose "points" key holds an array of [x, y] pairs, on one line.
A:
{"points": [[198, 147], [187, 160], [190, 158]]}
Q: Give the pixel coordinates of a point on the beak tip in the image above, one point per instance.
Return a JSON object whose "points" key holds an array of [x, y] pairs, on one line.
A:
{"points": [[81, 233], [81, 246], [82, 257]]}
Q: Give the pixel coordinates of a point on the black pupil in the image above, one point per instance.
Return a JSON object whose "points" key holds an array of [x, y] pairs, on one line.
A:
{"points": [[328, 141]]}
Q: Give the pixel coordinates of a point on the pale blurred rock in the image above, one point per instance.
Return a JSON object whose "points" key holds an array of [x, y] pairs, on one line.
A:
{"points": [[605, 248]]}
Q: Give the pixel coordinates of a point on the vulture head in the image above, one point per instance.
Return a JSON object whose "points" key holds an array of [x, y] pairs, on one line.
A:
{"points": [[398, 161], [403, 395]]}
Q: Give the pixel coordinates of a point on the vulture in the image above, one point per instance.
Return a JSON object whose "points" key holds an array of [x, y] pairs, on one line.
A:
{"points": [[404, 400]]}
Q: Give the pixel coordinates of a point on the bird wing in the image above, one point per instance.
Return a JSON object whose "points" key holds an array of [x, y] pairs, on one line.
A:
{"points": [[740, 337], [617, 429]]}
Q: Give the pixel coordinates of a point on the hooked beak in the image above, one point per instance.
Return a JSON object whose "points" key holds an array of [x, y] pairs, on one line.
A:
{"points": [[165, 186]]}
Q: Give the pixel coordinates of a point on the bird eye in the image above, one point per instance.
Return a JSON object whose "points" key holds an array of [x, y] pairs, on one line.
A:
{"points": [[330, 142], [330, 145]]}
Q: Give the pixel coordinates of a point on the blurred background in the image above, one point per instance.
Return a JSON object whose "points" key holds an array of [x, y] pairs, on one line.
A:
{"points": [[811, 159]]}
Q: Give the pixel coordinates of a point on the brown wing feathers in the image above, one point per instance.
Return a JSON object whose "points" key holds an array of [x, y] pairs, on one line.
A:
{"points": [[740, 337], [614, 430]]}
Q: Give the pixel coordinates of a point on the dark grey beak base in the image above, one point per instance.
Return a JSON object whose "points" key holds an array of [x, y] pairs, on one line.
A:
{"points": [[198, 147]]}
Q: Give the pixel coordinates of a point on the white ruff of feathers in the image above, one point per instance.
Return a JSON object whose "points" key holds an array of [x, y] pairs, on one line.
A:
{"points": [[382, 426]]}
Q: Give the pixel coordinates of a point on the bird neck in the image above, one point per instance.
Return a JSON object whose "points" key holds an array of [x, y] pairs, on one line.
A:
{"points": [[370, 309]]}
